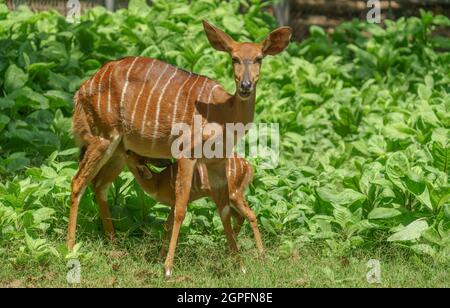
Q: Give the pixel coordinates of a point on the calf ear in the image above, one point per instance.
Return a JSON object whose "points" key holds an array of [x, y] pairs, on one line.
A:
{"points": [[276, 41], [218, 39]]}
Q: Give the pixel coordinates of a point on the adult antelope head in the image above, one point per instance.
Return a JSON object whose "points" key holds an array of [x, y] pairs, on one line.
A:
{"points": [[247, 57]]}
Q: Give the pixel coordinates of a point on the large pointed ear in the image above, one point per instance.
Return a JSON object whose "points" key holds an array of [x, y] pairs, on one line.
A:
{"points": [[277, 41], [218, 39]]}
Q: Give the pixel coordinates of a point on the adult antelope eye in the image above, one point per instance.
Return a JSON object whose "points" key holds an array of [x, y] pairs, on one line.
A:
{"points": [[235, 60], [258, 60]]}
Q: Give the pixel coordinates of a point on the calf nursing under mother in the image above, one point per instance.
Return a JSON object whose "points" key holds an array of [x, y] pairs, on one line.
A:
{"points": [[133, 104], [161, 186]]}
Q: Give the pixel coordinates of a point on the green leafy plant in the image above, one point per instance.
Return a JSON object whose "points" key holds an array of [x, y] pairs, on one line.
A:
{"points": [[363, 113]]}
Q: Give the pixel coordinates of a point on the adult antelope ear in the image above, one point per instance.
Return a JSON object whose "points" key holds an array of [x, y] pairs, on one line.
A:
{"points": [[276, 41], [218, 39]]}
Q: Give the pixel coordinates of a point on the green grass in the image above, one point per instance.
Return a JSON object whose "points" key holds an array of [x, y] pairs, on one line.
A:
{"points": [[131, 263]]}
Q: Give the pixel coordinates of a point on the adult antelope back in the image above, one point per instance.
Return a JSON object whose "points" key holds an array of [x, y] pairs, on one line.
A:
{"points": [[133, 104]]}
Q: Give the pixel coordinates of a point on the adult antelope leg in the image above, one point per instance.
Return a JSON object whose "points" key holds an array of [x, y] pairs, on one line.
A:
{"points": [[168, 229], [183, 188], [98, 152], [101, 184], [245, 210]]}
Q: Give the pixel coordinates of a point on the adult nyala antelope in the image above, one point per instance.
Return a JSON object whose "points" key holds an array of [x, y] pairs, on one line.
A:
{"points": [[133, 103], [161, 186]]}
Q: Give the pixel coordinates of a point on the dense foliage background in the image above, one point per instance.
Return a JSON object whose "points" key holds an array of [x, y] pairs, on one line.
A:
{"points": [[364, 115]]}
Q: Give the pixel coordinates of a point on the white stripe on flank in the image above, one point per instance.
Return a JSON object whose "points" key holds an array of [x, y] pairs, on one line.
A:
{"points": [[209, 99], [234, 169], [186, 103], [201, 93], [203, 89], [150, 97], [142, 90], [99, 88], [177, 98], [229, 169], [125, 86], [90, 84], [83, 88], [158, 104], [75, 99], [241, 166], [211, 92], [109, 90], [200, 170]]}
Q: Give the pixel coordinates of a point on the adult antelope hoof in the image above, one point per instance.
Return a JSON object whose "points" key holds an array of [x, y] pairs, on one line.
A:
{"points": [[243, 270], [70, 244], [167, 273]]}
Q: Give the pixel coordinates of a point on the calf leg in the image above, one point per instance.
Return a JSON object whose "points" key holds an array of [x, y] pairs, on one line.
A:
{"points": [[244, 209], [101, 184], [225, 216], [238, 221]]}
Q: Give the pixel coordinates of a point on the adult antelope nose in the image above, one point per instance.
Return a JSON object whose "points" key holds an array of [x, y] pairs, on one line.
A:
{"points": [[246, 85]]}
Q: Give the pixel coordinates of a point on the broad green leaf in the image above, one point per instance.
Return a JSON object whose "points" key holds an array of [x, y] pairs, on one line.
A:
{"points": [[232, 23], [15, 78], [43, 214], [4, 120], [424, 92], [342, 215], [316, 31], [397, 166], [6, 103], [383, 213], [432, 236], [425, 199], [316, 98], [440, 196], [411, 232], [447, 211], [414, 181], [16, 161], [68, 152], [424, 249], [441, 149], [138, 7], [346, 197]]}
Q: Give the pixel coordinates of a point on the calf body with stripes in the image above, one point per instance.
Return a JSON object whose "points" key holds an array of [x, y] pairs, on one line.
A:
{"points": [[132, 104]]}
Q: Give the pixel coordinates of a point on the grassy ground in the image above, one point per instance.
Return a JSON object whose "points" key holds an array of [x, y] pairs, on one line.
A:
{"points": [[130, 263]]}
